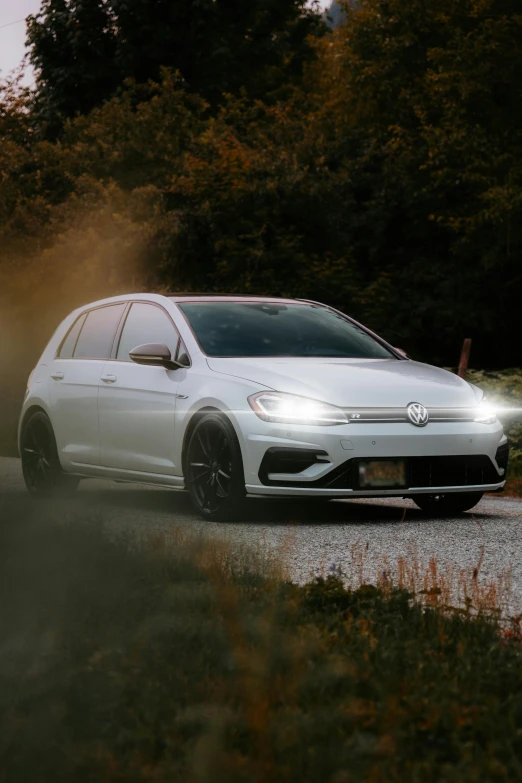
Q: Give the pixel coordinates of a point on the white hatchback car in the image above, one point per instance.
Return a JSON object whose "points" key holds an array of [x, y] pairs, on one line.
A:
{"points": [[228, 396]]}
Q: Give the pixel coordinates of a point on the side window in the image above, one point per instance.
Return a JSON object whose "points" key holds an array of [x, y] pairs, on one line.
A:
{"points": [[95, 340], [69, 344], [146, 323]]}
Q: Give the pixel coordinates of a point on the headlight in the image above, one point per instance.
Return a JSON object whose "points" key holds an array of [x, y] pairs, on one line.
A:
{"points": [[291, 409], [485, 413]]}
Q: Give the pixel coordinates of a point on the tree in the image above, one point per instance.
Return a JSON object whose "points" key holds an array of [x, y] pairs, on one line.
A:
{"points": [[72, 49], [419, 101], [83, 50]]}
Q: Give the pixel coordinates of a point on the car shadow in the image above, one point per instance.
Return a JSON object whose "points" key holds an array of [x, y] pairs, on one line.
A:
{"points": [[116, 499], [264, 511]]}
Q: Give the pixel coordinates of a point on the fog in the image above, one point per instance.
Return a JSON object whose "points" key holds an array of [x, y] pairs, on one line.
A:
{"points": [[101, 254]]}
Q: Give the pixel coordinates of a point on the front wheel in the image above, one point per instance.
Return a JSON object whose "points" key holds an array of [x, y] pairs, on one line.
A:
{"points": [[452, 503], [43, 474], [214, 469]]}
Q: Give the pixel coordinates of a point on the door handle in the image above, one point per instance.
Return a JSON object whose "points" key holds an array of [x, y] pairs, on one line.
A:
{"points": [[57, 376], [108, 378]]}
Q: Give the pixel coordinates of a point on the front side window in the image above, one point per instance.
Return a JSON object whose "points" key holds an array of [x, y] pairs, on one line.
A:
{"points": [[69, 344], [259, 329], [146, 323], [97, 334]]}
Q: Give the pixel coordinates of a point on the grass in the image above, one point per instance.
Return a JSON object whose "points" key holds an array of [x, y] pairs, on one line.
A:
{"points": [[180, 658]]}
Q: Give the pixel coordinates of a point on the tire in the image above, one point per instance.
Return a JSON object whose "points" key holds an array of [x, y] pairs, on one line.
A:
{"points": [[43, 474], [452, 503], [214, 473]]}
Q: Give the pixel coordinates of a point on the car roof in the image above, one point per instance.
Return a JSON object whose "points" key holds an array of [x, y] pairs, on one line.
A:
{"points": [[177, 298], [198, 297]]}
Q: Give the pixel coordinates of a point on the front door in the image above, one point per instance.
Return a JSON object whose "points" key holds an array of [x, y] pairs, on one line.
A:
{"points": [[137, 404]]}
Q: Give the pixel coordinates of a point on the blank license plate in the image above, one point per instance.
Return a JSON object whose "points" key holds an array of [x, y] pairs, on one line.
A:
{"points": [[382, 473]]}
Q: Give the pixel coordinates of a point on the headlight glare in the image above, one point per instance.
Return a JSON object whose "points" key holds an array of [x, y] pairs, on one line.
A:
{"points": [[291, 409], [485, 413]]}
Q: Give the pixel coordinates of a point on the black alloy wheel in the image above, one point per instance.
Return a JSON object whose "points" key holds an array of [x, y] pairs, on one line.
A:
{"points": [[452, 503], [214, 468], [43, 474]]}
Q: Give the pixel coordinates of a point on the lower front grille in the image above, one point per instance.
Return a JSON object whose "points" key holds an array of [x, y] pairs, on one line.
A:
{"points": [[439, 471], [451, 471]]}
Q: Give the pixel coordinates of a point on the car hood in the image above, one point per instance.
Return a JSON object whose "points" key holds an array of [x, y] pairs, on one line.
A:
{"points": [[354, 382]]}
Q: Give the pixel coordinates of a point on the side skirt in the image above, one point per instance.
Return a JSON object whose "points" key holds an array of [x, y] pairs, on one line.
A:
{"points": [[128, 476]]}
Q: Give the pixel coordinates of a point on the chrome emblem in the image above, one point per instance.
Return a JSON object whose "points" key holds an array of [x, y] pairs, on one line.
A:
{"points": [[417, 414]]}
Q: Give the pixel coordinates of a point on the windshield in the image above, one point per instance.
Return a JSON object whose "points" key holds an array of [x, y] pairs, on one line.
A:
{"points": [[231, 329]]}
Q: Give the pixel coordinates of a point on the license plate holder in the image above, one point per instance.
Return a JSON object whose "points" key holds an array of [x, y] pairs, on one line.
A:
{"points": [[382, 474]]}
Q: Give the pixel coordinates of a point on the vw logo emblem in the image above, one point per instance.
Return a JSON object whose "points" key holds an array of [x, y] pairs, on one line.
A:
{"points": [[417, 414]]}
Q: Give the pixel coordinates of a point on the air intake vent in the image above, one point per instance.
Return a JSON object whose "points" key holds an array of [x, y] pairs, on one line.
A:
{"points": [[288, 460]]}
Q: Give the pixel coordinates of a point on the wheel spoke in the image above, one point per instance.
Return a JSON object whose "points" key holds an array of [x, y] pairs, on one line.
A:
{"points": [[222, 473], [203, 447], [30, 456], [224, 492], [206, 493], [222, 448], [198, 477], [209, 442], [200, 465], [39, 441]]}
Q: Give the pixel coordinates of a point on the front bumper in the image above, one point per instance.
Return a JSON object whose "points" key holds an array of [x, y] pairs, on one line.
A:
{"points": [[441, 457]]}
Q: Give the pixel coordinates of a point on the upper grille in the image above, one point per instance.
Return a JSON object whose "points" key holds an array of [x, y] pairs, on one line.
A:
{"points": [[399, 415]]}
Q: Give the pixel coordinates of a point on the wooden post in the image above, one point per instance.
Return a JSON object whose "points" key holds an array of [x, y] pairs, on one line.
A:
{"points": [[464, 357]]}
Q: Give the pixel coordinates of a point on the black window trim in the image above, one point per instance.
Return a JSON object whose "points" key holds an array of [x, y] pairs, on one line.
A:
{"points": [[119, 332], [67, 333], [86, 314]]}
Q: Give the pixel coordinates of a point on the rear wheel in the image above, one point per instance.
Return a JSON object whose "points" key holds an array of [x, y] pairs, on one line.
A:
{"points": [[43, 474], [452, 503], [214, 469]]}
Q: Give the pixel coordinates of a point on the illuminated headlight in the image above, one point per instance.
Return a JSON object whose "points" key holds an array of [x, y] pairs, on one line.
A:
{"points": [[485, 413], [291, 409]]}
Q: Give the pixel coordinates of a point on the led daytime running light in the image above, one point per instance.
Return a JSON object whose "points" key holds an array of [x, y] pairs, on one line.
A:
{"points": [[486, 413], [291, 409]]}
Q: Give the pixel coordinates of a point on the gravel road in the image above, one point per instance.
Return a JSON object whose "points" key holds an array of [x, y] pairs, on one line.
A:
{"points": [[312, 536]]}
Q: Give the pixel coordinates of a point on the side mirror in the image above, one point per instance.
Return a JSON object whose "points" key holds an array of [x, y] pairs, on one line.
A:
{"points": [[402, 353], [154, 355]]}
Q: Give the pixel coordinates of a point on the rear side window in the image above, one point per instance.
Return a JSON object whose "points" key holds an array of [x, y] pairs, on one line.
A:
{"points": [[69, 344], [146, 323], [97, 335]]}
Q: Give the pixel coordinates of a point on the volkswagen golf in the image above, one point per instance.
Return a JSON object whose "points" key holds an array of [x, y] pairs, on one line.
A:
{"points": [[229, 396]]}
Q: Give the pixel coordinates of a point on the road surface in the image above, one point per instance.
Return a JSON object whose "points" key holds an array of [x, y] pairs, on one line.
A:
{"points": [[311, 537]]}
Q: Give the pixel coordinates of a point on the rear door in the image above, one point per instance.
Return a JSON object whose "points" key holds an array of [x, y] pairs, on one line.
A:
{"points": [[137, 404], [74, 384]]}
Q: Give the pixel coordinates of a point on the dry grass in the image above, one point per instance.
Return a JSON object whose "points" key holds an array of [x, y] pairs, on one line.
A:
{"points": [[446, 587]]}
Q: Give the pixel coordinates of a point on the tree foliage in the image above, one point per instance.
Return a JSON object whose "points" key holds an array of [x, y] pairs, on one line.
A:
{"points": [[83, 50]]}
